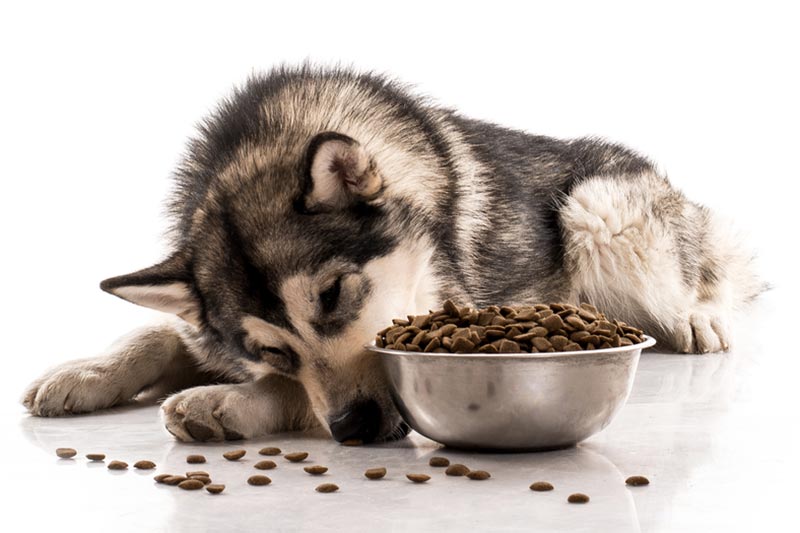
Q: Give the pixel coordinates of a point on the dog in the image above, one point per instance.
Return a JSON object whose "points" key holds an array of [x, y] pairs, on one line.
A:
{"points": [[316, 204]]}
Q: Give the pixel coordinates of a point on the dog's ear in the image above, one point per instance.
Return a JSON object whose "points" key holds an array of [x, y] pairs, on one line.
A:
{"points": [[166, 287], [339, 172]]}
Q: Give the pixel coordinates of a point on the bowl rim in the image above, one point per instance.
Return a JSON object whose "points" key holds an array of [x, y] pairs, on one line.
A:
{"points": [[647, 342]]}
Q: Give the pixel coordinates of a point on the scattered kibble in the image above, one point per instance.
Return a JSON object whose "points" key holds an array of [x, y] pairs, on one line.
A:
{"points": [[316, 470], [190, 484], [418, 478], [327, 487], [296, 457], [65, 453], [457, 470], [117, 465], [205, 480], [215, 488], [259, 480], [578, 498], [353, 442], [195, 459], [637, 481], [269, 451], [439, 461], [541, 486], [375, 473], [161, 477], [234, 455], [478, 475], [144, 465], [265, 465], [197, 473], [173, 480], [95, 456]]}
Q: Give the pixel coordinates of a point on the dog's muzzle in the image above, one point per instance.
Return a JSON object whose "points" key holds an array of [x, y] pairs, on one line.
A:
{"points": [[359, 421]]}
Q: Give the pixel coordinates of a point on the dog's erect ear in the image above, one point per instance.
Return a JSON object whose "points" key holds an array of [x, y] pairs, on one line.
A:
{"points": [[166, 287], [339, 172]]}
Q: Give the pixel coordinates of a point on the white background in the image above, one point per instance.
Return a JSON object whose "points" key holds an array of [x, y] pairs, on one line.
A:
{"points": [[98, 100]]}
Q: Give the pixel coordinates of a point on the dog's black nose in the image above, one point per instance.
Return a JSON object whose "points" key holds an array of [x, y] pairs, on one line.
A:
{"points": [[360, 421]]}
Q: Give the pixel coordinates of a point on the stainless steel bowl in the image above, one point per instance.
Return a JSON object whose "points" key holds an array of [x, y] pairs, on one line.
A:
{"points": [[511, 401]]}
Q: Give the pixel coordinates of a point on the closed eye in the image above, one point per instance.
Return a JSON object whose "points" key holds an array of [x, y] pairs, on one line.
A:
{"points": [[329, 298]]}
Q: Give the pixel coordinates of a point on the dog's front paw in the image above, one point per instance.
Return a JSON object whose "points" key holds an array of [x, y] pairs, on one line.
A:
{"points": [[71, 389], [210, 413], [701, 332]]}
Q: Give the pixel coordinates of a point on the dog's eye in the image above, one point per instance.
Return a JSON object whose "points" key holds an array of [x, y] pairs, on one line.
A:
{"points": [[330, 296], [282, 359]]}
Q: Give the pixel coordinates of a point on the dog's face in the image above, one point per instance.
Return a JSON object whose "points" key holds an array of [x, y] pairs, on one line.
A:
{"points": [[292, 267]]}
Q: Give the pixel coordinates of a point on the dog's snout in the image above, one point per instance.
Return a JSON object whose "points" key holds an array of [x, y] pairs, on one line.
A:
{"points": [[359, 421]]}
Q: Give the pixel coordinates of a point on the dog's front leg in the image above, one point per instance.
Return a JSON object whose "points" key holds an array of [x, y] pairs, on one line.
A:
{"points": [[138, 361], [238, 411]]}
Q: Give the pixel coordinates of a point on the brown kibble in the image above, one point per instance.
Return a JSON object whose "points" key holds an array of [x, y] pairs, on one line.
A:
{"points": [[269, 451], [316, 470], [479, 475], [296, 457], [234, 455], [418, 478], [553, 323], [457, 470], [95, 456], [541, 344], [578, 498], [637, 481], [265, 465], [258, 480], [559, 342], [195, 459], [204, 479], [451, 309], [508, 346], [375, 473], [161, 477], [541, 486], [144, 465], [117, 465], [439, 461], [65, 453], [215, 488], [173, 480], [197, 473], [190, 484], [327, 487], [353, 442]]}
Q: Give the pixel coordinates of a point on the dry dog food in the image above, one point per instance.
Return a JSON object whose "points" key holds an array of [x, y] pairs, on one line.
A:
{"points": [[190, 484], [541, 486], [205, 480], [637, 481], [117, 465], [296, 457], [418, 478], [144, 465], [316, 470], [439, 461], [197, 473], [265, 465], [259, 480], [234, 455], [375, 473], [269, 451], [195, 459], [457, 470], [161, 477], [95, 456], [327, 487], [65, 453], [352, 442], [557, 327], [578, 498], [479, 475], [173, 480], [215, 488]]}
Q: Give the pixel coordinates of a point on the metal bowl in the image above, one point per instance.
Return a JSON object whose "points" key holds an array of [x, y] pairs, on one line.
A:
{"points": [[519, 402]]}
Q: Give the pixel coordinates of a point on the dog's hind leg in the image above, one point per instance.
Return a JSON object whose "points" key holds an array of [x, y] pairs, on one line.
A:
{"points": [[639, 250], [238, 411], [151, 357]]}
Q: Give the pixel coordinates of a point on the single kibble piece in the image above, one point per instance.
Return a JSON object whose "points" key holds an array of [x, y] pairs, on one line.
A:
{"points": [[637, 481], [265, 465], [327, 487], [117, 465], [195, 459], [95, 456], [204, 479], [215, 488], [578, 498], [190, 484], [541, 486], [144, 465], [439, 461], [269, 451], [375, 473], [234, 455], [65, 453], [316, 470], [479, 475], [173, 480], [418, 478], [161, 477], [352, 442], [296, 457], [457, 470], [197, 473], [259, 480]]}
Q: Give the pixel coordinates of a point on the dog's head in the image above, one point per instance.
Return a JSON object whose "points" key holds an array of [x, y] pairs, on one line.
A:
{"points": [[290, 257]]}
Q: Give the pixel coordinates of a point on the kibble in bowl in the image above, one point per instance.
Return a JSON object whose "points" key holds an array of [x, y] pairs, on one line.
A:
{"points": [[510, 378]]}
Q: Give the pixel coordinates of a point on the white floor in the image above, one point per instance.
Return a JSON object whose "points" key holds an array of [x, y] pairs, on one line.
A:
{"points": [[713, 434]]}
